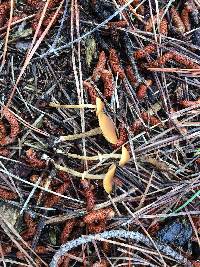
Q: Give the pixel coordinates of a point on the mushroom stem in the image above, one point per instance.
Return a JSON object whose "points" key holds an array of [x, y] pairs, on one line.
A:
{"points": [[55, 105]]}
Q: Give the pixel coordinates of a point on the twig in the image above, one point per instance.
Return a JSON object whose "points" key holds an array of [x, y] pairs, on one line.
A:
{"points": [[79, 174], [88, 33], [7, 33], [71, 137], [135, 236]]}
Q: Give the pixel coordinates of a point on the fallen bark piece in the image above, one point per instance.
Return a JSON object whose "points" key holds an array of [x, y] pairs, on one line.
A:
{"points": [[54, 199], [115, 64], [189, 103], [99, 215], [102, 263], [31, 227], [131, 75], [88, 193], [33, 160], [100, 67], [7, 195], [69, 225], [177, 21], [14, 128], [163, 27], [91, 91], [4, 10], [142, 89], [147, 50], [107, 79]]}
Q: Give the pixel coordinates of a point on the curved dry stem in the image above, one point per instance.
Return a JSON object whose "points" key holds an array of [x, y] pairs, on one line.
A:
{"points": [[54, 105], [71, 137], [99, 157], [135, 236], [79, 174]]}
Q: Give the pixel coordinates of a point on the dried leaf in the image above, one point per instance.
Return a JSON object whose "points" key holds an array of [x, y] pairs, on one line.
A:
{"points": [[108, 179], [108, 128], [90, 50], [125, 157], [9, 213], [53, 235]]}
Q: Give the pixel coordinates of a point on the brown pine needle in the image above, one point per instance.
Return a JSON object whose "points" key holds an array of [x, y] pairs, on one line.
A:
{"points": [[7, 33], [32, 52]]}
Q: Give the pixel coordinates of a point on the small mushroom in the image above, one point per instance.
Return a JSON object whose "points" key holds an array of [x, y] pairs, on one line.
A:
{"points": [[99, 106], [125, 156], [108, 128], [108, 179]]}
